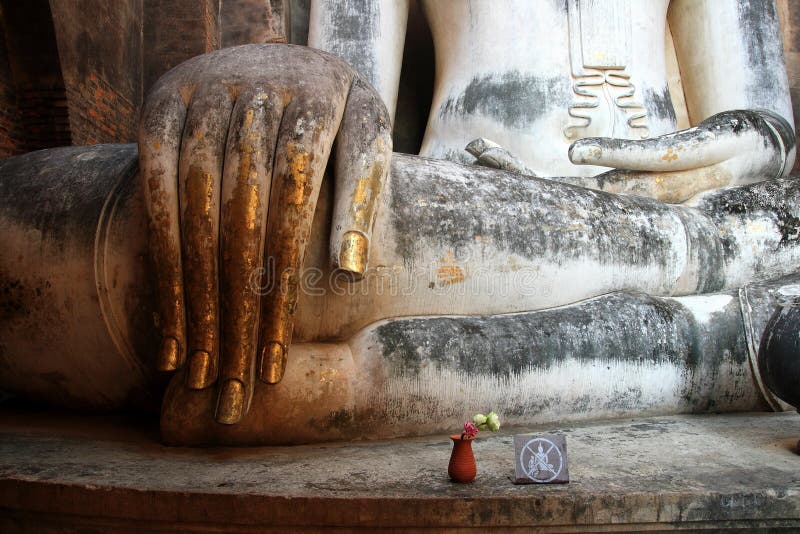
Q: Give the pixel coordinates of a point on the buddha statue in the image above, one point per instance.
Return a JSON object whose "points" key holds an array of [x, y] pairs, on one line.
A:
{"points": [[616, 266]]}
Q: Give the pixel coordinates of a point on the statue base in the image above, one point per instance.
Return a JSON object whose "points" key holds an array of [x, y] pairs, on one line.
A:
{"points": [[733, 471]]}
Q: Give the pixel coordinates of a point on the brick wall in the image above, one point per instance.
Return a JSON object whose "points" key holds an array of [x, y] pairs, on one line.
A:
{"points": [[100, 50], [177, 30], [33, 84], [10, 133], [100, 113]]}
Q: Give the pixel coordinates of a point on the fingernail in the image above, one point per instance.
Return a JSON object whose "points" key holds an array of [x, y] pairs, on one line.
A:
{"points": [[199, 374], [231, 402], [585, 153], [273, 362], [168, 355], [353, 255], [478, 146]]}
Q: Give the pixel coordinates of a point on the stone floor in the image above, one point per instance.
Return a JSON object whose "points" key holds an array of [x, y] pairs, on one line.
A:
{"points": [[715, 472]]}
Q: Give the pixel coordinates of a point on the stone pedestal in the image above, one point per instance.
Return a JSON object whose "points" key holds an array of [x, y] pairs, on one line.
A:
{"points": [[64, 473]]}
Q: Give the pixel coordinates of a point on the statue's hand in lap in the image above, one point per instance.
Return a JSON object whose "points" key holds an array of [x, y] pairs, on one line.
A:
{"points": [[233, 147], [729, 148]]}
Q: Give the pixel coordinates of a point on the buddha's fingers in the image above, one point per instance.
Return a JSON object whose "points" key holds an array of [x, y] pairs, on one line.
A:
{"points": [[245, 197], [200, 172], [490, 154], [719, 138], [159, 143], [304, 145], [363, 155]]}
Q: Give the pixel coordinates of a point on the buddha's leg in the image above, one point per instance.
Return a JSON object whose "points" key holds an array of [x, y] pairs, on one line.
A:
{"points": [[451, 239], [76, 315], [612, 356]]}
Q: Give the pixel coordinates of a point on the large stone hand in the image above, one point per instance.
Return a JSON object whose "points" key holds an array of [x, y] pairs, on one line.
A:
{"points": [[233, 147], [730, 148]]}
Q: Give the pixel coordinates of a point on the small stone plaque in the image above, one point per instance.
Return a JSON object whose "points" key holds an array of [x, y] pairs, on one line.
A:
{"points": [[540, 459]]}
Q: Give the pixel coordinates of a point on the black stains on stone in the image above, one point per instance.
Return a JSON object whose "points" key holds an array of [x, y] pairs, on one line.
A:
{"points": [[626, 328], [776, 200], [512, 98], [355, 19], [759, 31], [60, 192], [582, 404], [533, 218], [790, 229], [520, 409], [12, 298], [659, 104], [20, 299], [341, 419], [352, 29], [723, 337], [716, 347], [740, 120], [626, 400], [659, 427], [757, 505], [706, 251], [621, 327]]}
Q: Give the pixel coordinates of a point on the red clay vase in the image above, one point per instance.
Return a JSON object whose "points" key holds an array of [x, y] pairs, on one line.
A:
{"points": [[462, 466]]}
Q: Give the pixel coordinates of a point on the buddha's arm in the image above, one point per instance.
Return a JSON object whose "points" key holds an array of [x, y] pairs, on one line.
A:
{"points": [[368, 34], [733, 147], [730, 57], [736, 89]]}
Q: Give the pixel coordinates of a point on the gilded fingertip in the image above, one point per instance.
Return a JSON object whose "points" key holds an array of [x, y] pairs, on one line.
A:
{"points": [[354, 252], [230, 405], [273, 362]]}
